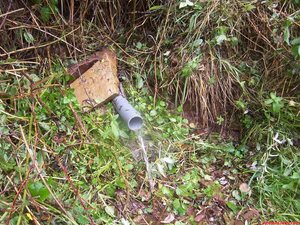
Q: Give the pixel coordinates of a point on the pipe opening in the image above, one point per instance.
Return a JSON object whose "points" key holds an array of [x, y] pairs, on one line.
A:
{"points": [[135, 123]]}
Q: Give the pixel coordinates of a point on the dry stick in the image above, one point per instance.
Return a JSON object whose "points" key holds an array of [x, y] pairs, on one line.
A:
{"points": [[28, 209], [42, 178], [4, 19], [18, 192], [124, 178], [40, 46], [11, 12], [76, 192], [156, 52]]}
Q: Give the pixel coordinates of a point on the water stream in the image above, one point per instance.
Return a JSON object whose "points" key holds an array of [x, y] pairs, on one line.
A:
{"points": [[146, 159]]}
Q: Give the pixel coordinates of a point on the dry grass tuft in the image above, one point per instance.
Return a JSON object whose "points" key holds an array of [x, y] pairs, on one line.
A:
{"points": [[77, 28]]}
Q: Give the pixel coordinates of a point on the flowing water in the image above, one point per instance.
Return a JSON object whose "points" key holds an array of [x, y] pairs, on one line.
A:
{"points": [[146, 159]]}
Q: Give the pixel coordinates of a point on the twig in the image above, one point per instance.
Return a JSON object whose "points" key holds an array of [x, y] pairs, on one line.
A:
{"points": [[42, 177], [36, 47], [4, 19], [11, 12]]}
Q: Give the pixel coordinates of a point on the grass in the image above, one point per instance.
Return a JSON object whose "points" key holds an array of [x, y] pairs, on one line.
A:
{"points": [[197, 71]]}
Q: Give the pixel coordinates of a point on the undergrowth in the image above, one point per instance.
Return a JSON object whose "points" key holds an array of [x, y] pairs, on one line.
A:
{"points": [[198, 71]]}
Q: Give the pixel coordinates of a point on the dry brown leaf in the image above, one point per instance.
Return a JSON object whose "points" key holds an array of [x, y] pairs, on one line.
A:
{"points": [[250, 214], [238, 222], [169, 218], [244, 188], [200, 217]]}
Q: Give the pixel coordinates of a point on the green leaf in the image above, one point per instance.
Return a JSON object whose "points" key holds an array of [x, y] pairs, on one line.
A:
{"points": [[232, 206], [249, 7], [38, 190], [296, 41], [296, 51], [139, 82], [155, 7], [296, 175], [45, 12], [166, 191], [273, 95], [115, 128], [179, 207], [153, 112], [82, 219], [269, 101], [220, 39], [139, 45], [286, 35], [185, 4], [28, 37], [236, 195], [110, 210]]}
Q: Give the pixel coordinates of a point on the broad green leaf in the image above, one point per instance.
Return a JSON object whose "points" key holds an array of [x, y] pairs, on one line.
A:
{"points": [[28, 37], [153, 112], [115, 128], [296, 51], [249, 7], [296, 175], [236, 195], [38, 190], [139, 82], [221, 38], [81, 219], [269, 101], [286, 35], [232, 206], [179, 207], [45, 12], [296, 41]]}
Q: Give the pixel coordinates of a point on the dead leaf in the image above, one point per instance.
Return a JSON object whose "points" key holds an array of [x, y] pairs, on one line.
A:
{"points": [[244, 188], [190, 211], [200, 217], [250, 214], [238, 222], [169, 218]]}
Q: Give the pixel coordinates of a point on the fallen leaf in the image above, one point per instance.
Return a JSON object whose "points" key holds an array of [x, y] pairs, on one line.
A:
{"points": [[244, 188], [169, 218], [250, 214], [190, 211], [200, 217], [238, 222], [110, 210]]}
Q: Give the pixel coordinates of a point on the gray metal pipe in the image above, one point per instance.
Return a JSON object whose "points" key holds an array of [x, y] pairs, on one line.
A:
{"points": [[128, 113]]}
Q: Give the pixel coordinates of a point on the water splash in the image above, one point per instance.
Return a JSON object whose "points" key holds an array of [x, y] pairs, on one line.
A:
{"points": [[146, 159]]}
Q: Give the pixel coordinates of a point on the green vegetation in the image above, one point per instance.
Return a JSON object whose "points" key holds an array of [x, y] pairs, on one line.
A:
{"points": [[217, 83]]}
